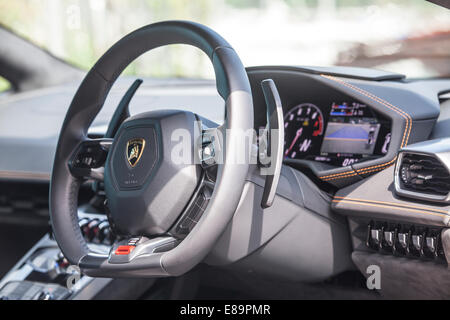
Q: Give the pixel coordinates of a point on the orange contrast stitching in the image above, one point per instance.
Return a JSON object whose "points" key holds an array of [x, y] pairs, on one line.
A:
{"points": [[405, 139], [392, 204], [365, 170], [392, 207]]}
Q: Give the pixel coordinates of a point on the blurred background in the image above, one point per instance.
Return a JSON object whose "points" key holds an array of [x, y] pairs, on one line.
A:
{"points": [[405, 36]]}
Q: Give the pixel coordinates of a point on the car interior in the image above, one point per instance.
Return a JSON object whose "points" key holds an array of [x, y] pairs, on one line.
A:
{"points": [[346, 171]]}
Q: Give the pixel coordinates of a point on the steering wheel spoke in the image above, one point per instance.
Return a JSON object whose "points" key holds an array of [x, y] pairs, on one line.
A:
{"points": [[129, 249], [195, 208], [88, 160]]}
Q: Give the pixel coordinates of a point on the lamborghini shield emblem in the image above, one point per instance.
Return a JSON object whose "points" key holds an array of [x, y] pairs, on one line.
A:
{"points": [[135, 147]]}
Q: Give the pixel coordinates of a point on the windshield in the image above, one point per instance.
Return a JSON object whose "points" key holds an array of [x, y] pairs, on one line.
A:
{"points": [[406, 36]]}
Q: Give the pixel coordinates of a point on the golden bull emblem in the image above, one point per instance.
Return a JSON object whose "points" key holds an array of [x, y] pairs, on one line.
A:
{"points": [[135, 147]]}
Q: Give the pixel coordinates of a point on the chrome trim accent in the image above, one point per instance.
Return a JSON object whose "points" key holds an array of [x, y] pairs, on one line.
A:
{"points": [[106, 143]]}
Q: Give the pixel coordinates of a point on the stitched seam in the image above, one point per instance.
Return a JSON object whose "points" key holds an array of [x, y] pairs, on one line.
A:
{"points": [[407, 127], [361, 170], [392, 204], [406, 116], [406, 132], [73, 211], [390, 207], [342, 175], [377, 166], [386, 165]]}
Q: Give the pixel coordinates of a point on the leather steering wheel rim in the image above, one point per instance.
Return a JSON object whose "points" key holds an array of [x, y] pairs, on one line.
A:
{"points": [[233, 86]]}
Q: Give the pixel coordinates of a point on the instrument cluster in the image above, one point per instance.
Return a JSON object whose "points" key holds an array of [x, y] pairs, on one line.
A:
{"points": [[339, 134]]}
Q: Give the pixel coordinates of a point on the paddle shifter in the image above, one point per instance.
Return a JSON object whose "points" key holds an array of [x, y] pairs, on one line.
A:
{"points": [[271, 142]]}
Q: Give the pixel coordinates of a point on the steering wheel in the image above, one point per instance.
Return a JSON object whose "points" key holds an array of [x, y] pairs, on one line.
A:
{"points": [[148, 194]]}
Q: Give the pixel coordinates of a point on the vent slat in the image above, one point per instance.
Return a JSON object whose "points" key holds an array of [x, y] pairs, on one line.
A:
{"points": [[424, 174]]}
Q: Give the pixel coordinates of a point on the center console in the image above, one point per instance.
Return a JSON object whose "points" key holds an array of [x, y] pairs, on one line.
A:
{"points": [[44, 274]]}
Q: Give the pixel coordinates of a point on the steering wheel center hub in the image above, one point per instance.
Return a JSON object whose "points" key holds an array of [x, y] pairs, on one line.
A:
{"points": [[138, 141], [146, 188]]}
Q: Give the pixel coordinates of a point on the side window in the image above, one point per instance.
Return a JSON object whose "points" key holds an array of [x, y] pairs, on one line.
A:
{"points": [[4, 85]]}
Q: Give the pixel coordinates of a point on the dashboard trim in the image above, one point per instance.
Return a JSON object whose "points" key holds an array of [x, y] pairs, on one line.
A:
{"points": [[405, 139], [375, 198], [411, 110], [339, 71], [392, 205], [295, 82]]}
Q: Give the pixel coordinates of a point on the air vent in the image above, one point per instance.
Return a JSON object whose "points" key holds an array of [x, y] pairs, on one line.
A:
{"points": [[422, 176]]}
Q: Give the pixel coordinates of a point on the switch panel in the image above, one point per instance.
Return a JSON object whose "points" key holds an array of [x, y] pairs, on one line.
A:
{"points": [[411, 241]]}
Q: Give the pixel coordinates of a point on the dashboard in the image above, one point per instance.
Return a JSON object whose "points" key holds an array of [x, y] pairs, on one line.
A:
{"points": [[342, 133], [338, 133], [345, 124]]}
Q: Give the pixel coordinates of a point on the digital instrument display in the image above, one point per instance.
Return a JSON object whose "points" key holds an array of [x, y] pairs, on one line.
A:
{"points": [[303, 127], [339, 134], [349, 130]]}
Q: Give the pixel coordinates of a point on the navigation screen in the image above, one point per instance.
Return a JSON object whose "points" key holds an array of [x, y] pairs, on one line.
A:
{"points": [[351, 129]]}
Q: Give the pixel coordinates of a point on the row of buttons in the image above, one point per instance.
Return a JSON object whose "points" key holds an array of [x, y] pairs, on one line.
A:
{"points": [[412, 241], [96, 230], [90, 154], [127, 248]]}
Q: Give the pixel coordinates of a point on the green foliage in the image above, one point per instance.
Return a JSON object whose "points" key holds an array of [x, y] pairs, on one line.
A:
{"points": [[4, 84], [79, 32], [244, 3], [82, 39]]}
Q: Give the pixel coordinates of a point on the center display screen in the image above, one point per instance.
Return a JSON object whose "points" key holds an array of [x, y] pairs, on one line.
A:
{"points": [[349, 130], [340, 133]]}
